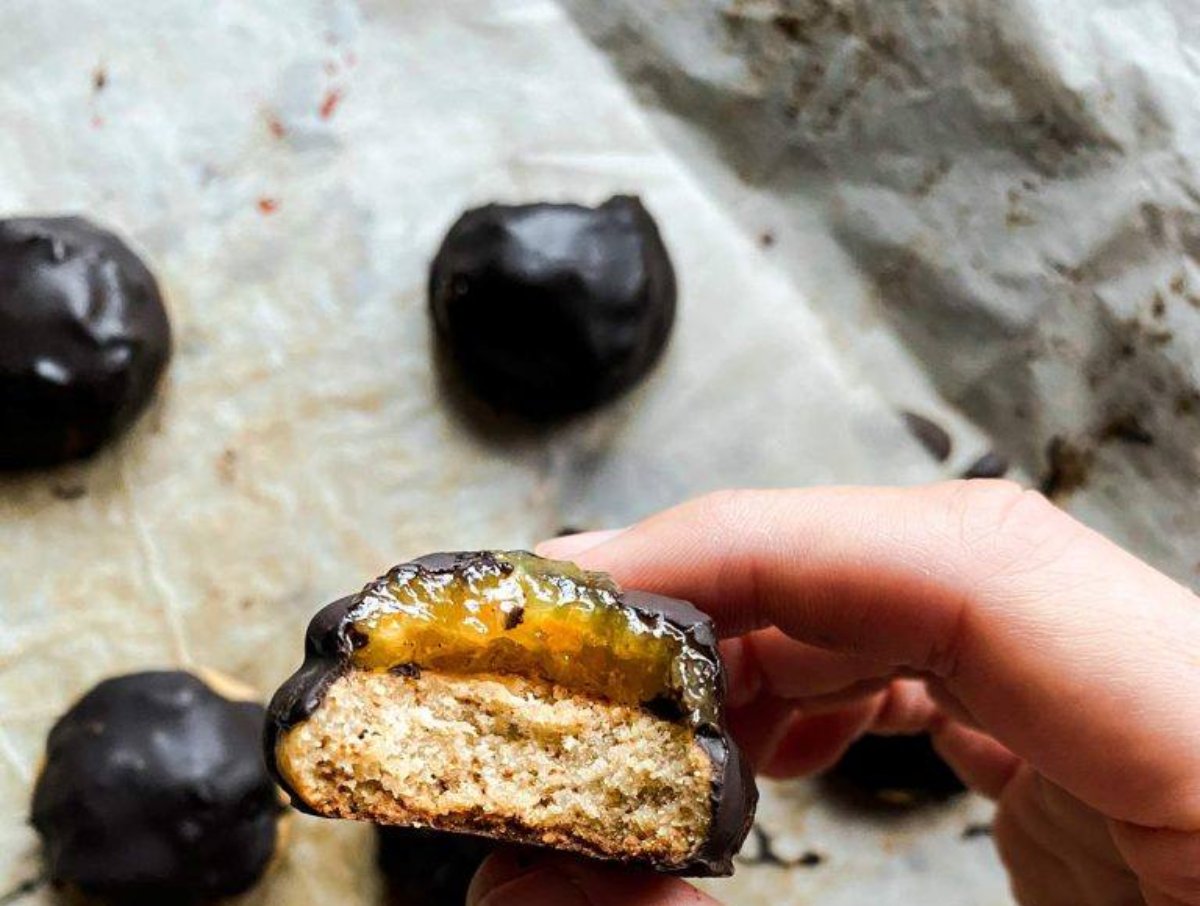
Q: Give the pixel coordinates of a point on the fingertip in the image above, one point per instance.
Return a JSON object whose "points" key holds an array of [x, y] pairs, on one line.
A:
{"points": [[980, 761], [568, 547], [530, 878], [516, 876], [811, 744]]}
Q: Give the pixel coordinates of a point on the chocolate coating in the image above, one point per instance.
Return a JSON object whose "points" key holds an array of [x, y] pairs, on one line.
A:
{"points": [[331, 641], [551, 309], [990, 465], [932, 436], [84, 339], [429, 868], [897, 771], [154, 790]]}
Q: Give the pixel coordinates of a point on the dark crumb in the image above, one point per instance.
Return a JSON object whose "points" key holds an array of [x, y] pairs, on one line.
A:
{"points": [[789, 25], [1159, 306], [1067, 468], [1016, 218], [990, 465], [971, 831], [514, 618], [894, 772], [568, 530], [933, 437], [1160, 337], [1129, 429], [766, 854], [766, 239], [931, 177], [68, 491], [412, 671], [1179, 283], [100, 78]]}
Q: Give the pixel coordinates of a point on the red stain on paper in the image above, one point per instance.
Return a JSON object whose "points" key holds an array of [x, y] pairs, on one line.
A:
{"points": [[330, 104]]}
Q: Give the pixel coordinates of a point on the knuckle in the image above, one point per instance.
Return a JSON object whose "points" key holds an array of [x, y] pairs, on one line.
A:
{"points": [[1166, 860], [725, 507], [1007, 521]]}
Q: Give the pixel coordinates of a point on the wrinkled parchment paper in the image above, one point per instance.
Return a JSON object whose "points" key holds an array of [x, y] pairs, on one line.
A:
{"points": [[966, 211], [1004, 194]]}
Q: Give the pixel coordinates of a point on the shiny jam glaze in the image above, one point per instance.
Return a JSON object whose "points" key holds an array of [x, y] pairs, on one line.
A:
{"points": [[513, 612]]}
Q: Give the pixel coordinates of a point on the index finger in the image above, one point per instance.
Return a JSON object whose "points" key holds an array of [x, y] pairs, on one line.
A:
{"points": [[1073, 653]]}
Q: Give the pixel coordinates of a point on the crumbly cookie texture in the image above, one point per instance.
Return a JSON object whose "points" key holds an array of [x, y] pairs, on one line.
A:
{"points": [[501, 694], [520, 758]]}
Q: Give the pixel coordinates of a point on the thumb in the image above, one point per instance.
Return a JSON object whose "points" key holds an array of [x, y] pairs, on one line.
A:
{"points": [[512, 877]]}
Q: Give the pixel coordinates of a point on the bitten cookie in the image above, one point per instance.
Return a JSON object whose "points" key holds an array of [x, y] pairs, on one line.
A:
{"points": [[502, 694]]}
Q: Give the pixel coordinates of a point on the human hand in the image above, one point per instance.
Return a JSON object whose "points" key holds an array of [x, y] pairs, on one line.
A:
{"points": [[1057, 673]]}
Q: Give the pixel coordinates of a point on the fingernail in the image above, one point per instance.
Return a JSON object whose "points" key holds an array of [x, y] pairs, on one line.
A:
{"points": [[570, 546], [512, 877]]}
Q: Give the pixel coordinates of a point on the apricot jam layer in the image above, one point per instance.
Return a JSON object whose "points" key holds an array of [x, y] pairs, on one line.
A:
{"points": [[512, 612]]}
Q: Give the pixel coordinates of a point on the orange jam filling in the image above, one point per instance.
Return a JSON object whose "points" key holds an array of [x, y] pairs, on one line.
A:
{"points": [[531, 617]]}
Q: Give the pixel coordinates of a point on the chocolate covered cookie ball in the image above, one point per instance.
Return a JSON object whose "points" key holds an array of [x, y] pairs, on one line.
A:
{"points": [[154, 790], [551, 309], [84, 339]]}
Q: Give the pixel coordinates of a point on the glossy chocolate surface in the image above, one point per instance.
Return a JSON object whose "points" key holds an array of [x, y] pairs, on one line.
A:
{"points": [[84, 339], [551, 309], [154, 790], [335, 636], [513, 612]]}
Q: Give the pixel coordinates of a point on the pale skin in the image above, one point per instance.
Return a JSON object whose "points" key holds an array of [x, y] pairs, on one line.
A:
{"points": [[1058, 674]]}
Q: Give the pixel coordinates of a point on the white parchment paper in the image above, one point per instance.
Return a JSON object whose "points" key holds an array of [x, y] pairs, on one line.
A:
{"points": [[965, 209]]}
